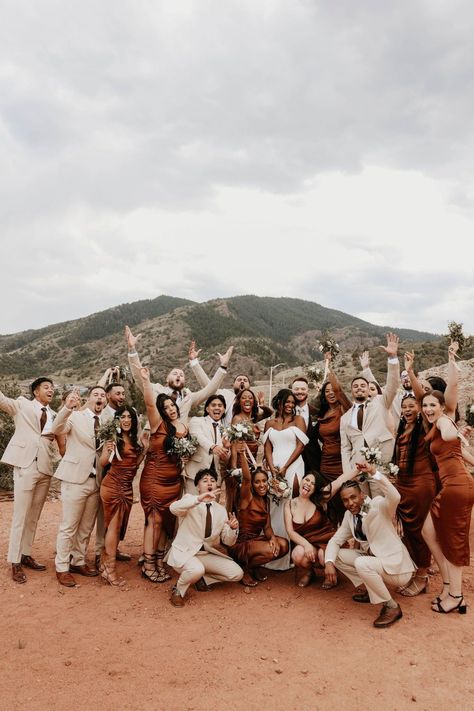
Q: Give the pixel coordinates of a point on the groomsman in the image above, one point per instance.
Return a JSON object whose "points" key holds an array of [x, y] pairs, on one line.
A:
{"points": [[203, 523], [312, 451], [115, 393], [211, 453], [175, 381], [241, 382], [78, 471], [369, 422], [381, 559], [31, 451]]}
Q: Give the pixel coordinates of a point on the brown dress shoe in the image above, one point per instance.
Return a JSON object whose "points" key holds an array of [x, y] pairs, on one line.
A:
{"points": [[201, 586], [66, 579], [122, 556], [30, 562], [84, 570], [388, 615], [17, 573], [361, 596], [176, 599]]}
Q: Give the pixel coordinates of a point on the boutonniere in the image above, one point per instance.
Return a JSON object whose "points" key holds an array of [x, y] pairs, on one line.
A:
{"points": [[365, 508]]}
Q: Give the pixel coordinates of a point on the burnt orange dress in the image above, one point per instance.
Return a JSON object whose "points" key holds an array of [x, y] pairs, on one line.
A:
{"points": [[331, 461], [417, 491], [252, 521], [116, 488], [317, 530], [161, 480], [451, 509]]}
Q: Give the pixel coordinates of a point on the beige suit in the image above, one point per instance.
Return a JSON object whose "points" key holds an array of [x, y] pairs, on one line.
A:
{"points": [[203, 429], [382, 557], [189, 399], [377, 427], [79, 473], [191, 554], [32, 456]]}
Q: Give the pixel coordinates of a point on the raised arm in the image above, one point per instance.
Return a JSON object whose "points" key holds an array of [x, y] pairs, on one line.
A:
{"points": [[135, 364], [154, 417], [451, 392], [393, 370], [341, 396], [217, 380], [61, 424], [199, 372], [8, 405], [409, 360], [246, 488], [366, 371]]}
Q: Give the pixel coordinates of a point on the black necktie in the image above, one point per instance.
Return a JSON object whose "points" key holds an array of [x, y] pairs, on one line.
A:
{"points": [[360, 417], [96, 431], [174, 395], [359, 533], [43, 418], [214, 424], [208, 528]]}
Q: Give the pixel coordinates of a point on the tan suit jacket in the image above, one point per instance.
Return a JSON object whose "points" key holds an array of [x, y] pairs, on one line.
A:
{"points": [[192, 523], [377, 427], [203, 429], [382, 538], [190, 399], [80, 457], [227, 393], [27, 444]]}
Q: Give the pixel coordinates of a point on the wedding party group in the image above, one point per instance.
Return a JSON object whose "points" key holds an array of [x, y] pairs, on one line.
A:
{"points": [[373, 484]]}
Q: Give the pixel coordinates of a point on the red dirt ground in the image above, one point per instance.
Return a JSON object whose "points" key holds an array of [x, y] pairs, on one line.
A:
{"points": [[276, 647]]}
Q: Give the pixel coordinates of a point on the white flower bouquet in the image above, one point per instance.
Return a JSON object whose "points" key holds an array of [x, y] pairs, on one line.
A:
{"points": [[183, 447], [241, 432], [278, 488]]}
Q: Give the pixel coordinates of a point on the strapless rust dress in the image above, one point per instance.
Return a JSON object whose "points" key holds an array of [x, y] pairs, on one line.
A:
{"points": [[451, 509], [161, 480], [252, 521], [317, 530], [417, 491], [116, 488]]}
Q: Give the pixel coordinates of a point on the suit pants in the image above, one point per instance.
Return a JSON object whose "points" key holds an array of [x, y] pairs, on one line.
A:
{"points": [[213, 568], [361, 567], [30, 491], [80, 503]]}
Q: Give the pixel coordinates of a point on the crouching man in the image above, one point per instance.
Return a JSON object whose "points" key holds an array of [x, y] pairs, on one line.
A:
{"points": [[202, 524]]}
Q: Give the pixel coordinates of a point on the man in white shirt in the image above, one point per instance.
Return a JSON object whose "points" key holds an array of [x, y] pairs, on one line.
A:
{"points": [[312, 451]]}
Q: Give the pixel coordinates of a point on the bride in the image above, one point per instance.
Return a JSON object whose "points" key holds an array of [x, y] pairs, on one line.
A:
{"points": [[284, 440]]}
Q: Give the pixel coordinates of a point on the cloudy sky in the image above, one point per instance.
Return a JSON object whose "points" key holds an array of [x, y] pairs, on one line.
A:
{"points": [[208, 148]]}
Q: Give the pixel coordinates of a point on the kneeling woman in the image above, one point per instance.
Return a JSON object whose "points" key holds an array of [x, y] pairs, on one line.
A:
{"points": [[256, 544], [309, 528], [121, 461]]}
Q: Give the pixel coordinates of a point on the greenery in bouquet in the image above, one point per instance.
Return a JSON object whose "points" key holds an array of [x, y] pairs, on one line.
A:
{"points": [[183, 446], [278, 488], [109, 432], [328, 344], [455, 334], [314, 373], [241, 432]]}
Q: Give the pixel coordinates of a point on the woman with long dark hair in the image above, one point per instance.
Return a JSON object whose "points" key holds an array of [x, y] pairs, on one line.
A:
{"points": [[446, 528], [161, 481], [417, 484], [120, 460]]}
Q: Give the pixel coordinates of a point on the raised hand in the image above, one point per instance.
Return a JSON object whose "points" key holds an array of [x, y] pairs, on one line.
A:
{"points": [[366, 468], [409, 360], [232, 521], [209, 496], [145, 373], [261, 399], [131, 339], [391, 348], [225, 357], [364, 360], [193, 352], [453, 350], [73, 400]]}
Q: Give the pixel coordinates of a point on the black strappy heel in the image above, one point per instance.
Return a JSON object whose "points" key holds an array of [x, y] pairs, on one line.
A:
{"points": [[462, 609]]}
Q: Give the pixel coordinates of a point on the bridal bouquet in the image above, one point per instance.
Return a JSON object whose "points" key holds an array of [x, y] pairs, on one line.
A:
{"points": [[278, 488], [373, 455], [241, 432], [109, 432], [456, 334], [183, 447], [328, 344]]}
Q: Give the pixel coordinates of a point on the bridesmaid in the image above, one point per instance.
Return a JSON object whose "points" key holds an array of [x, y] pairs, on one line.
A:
{"points": [[161, 482], [417, 485], [446, 529], [116, 488], [256, 544], [332, 404]]}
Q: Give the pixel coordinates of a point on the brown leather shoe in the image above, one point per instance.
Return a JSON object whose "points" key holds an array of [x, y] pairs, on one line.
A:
{"points": [[17, 573], [202, 586], [66, 579], [176, 599], [122, 556], [361, 596], [30, 562], [388, 615], [84, 570]]}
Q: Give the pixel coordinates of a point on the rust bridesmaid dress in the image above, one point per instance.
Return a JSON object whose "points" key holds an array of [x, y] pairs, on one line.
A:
{"points": [[317, 530], [252, 520], [116, 490], [328, 432]]}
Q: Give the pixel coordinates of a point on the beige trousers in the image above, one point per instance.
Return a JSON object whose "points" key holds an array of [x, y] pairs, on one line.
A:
{"points": [[362, 568], [213, 568], [79, 503], [30, 489]]}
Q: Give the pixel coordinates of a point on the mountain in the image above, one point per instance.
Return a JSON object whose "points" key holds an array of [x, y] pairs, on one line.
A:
{"points": [[264, 331]]}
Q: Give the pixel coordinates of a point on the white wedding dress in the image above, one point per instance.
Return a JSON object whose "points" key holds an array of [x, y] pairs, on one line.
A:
{"points": [[284, 443]]}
